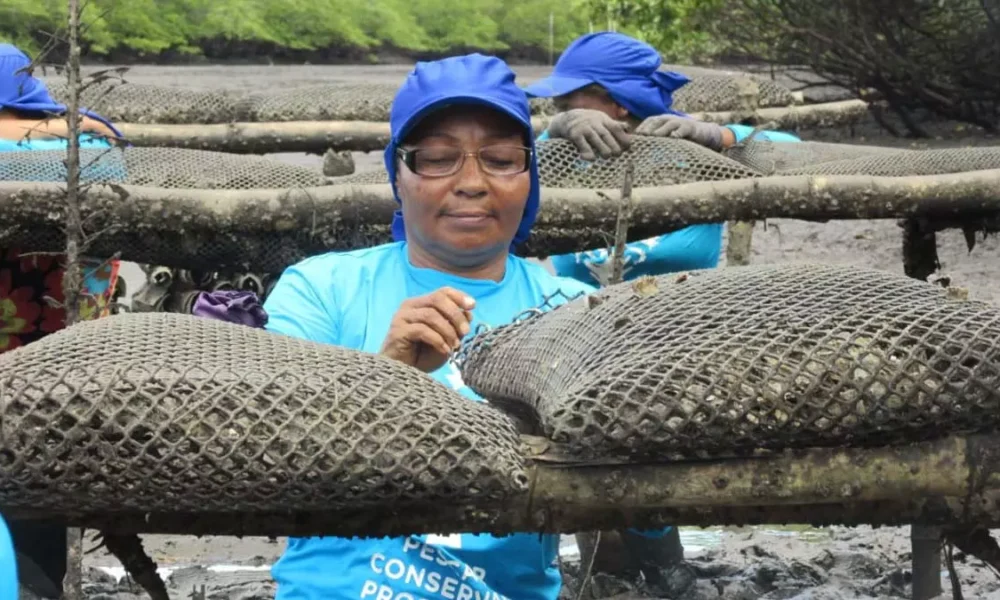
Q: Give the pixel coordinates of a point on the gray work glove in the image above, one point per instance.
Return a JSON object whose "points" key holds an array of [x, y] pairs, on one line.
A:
{"points": [[592, 132], [699, 132]]}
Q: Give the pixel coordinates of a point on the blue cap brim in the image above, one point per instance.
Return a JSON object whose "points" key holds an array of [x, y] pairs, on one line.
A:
{"points": [[556, 85], [433, 105]]}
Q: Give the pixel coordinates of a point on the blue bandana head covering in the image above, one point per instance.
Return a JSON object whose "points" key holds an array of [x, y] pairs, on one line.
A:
{"points": [[21, 91], [627, 68], [472, 79]]}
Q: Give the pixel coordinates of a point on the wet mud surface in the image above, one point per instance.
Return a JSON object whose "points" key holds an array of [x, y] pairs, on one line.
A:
{"points": [[836, 563], [828, 564]]}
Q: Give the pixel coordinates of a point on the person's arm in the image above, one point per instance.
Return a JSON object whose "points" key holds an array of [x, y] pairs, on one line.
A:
{"points": [[742, 132], [707, 134], [295, 307], [17, 129]]}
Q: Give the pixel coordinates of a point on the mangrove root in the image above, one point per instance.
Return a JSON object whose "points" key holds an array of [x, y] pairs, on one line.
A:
{"points": [[266, 230], [952, 482], [366, 136]]}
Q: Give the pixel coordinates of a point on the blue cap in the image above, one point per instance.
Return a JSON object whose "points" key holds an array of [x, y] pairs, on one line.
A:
{"points": [[19, 90], [471, 79], [627, 68]]}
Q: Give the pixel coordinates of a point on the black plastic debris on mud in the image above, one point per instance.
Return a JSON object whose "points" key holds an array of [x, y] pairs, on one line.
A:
{"points": [[851, 563]]}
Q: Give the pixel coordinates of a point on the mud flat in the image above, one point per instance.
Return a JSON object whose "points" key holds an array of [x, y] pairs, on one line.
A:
{"points": [[836, 563]]}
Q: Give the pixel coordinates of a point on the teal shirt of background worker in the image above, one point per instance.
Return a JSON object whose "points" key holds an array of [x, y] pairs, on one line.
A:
{"points": [[106, 167], [693, 247], [348, 299], [86, 141]]}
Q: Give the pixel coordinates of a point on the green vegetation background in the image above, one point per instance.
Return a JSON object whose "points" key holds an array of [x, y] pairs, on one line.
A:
{"points": [[350, 30]]}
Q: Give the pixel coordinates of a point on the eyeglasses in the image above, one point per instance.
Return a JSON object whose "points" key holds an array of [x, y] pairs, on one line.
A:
{"points": [[442, 161]]}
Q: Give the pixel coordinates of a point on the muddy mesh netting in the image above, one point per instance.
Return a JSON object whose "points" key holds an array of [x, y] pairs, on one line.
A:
{"points": [[819, 158], [144, 103], [731, 360], [716, 93], [160, 167], [904, 163], [665, 161], [174, 413], [324, 102], [769, 158], [658, 161]]}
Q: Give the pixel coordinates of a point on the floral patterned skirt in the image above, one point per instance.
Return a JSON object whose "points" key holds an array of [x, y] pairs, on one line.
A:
{"points": [[26, 280]]}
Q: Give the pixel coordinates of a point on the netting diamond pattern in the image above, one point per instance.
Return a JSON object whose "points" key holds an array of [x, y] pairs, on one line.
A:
{"points": [[733, 360], [920, 162], [346, 102], [769, 158], [176, 413], [658, 161], [161, 167], [711, 93], [143, 103]]}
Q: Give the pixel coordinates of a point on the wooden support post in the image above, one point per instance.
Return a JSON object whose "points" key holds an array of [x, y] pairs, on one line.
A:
{"points": [[925, 542], [920, 260]]}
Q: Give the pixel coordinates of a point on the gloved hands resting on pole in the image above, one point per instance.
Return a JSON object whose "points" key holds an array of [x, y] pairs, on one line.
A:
{"points": [[597, 135]]}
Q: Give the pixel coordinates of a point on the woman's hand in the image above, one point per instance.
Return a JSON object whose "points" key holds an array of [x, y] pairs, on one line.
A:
{"points": [[427, 329]]}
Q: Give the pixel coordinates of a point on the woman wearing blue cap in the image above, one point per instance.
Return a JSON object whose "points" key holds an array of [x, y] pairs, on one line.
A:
{"points": [[30, 120], [462, 165], [607, 84]]}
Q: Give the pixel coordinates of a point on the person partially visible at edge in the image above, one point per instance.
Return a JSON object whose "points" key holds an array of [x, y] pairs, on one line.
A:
{"points": [[607, 85], [30, 120], [462, 165]]}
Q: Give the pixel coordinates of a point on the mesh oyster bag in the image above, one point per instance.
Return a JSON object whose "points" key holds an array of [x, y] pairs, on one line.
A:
{"points": [[709, 93], [734, 360], [160, 167], [129, 102], [900, 164], [658, 161], [770, 158], [173, 413], [144, 103]]}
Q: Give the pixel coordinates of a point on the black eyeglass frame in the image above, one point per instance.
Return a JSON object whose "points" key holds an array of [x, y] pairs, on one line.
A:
{"points": [[409, 159]]}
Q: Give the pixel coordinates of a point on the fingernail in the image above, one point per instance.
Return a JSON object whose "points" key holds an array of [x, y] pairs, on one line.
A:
{"points": [[469, 302]]}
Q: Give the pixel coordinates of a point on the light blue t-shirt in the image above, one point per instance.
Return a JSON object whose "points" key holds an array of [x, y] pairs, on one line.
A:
{"points": [[349, 299], [105, 167], [693, 247], [86, 141]]}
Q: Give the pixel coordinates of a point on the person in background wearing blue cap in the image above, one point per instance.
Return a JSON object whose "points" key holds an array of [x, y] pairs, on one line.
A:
{"points": [[30, 120], [462, 165], [28, 113], [607, 84]]}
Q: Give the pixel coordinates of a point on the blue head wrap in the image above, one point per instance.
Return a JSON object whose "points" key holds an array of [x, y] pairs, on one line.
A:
{"points": [[627, 68], [472, 79], [19, 90]]}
